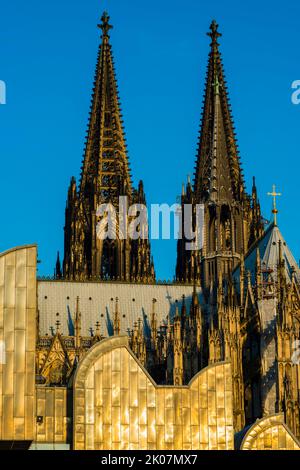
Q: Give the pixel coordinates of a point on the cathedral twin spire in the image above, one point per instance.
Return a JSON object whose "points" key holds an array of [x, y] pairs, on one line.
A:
{"points": [[105, 177], [231, 221]]}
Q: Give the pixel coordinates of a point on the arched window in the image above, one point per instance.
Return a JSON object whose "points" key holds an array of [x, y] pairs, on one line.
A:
{"points": [[109, 257]]}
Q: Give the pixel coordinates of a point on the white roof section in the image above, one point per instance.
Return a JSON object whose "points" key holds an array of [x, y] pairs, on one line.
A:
{"points": [[97, 304]]}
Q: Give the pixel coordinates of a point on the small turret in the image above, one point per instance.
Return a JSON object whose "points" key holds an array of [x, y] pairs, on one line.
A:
{"points": [[58, 272]]}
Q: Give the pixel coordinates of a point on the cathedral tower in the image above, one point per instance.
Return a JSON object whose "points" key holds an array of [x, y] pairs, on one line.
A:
{"points": [[229, 213], [105, 178]]}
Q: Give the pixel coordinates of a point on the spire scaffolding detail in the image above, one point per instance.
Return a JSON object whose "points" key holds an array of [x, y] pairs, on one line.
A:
{"points": [[105, 177], [274, 195], [232, 220]]}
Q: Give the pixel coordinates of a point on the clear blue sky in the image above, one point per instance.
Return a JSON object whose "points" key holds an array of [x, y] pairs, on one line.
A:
{"points": [[47, 59]]}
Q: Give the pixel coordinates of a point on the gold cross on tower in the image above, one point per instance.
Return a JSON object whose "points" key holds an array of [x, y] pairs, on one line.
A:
{"points": [[274, 210]]}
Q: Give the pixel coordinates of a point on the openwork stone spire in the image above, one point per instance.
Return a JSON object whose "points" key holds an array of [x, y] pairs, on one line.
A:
{"points": [[214, 34], [218, 173]]}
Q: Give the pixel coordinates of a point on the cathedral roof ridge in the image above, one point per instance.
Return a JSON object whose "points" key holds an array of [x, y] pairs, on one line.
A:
{"points": [[214, 34], [18, 248], [269, 252]]}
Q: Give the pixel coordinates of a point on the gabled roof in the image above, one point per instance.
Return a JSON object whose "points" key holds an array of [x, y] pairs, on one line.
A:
{"points": [[218, 173], [105, 163]]}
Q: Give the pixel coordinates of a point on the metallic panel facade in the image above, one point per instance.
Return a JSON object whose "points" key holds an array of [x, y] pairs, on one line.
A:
{"points": [[270, 433], [51, 412], [118, 406], [17, 340]]}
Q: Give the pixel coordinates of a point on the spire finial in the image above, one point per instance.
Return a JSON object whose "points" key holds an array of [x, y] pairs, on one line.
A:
{"points": [[254, 190], [214, 33], [274, 194], [116, 324], [104, 25]]}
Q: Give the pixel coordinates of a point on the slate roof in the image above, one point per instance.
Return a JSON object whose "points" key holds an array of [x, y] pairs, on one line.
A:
{"points": [[97, 303]]}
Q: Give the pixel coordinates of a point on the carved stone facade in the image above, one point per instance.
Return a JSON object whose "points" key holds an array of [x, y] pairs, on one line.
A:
{"points": [[18, 311], [270, 433]]}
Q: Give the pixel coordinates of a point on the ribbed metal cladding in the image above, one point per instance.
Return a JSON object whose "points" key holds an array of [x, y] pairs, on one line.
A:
{"points": [[18, 339]]}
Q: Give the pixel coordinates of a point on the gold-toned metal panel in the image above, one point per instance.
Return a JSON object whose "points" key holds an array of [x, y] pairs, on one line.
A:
{"points": [[270, 433], [116, 424], [20, 358], [116, 388], [125, 407]]}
